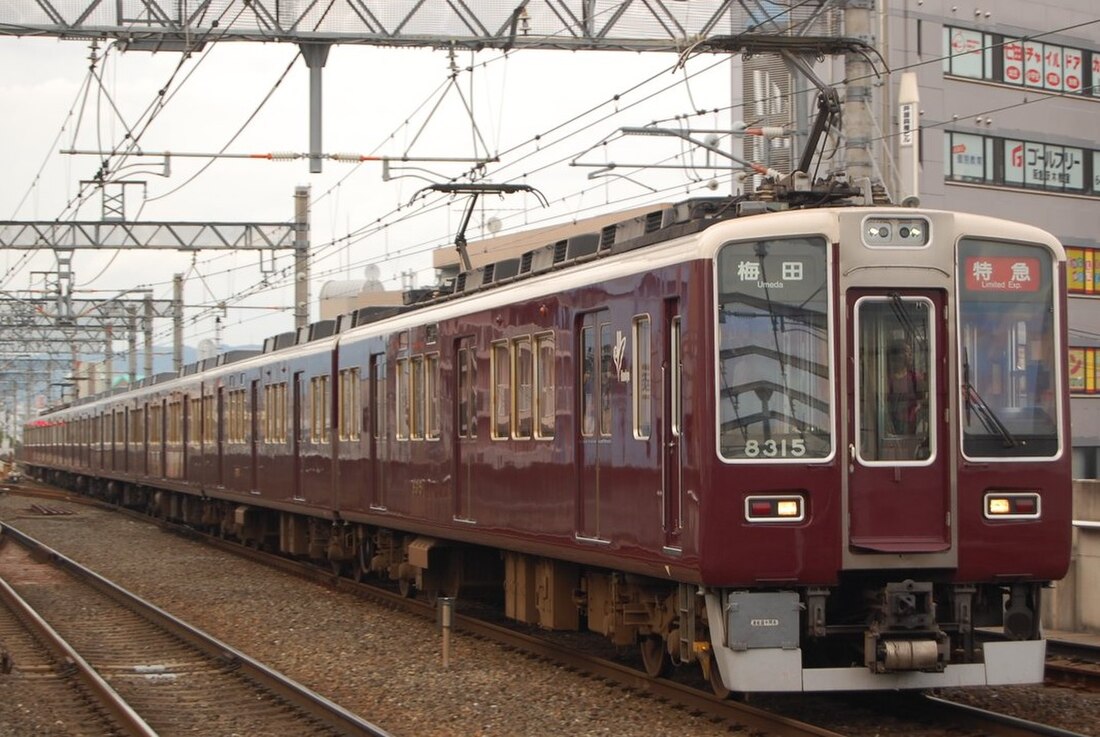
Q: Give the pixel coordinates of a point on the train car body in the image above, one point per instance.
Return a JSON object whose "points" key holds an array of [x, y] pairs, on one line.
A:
{"points": [[813, 449]]}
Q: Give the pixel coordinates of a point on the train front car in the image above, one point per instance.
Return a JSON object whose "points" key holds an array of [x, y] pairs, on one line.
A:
{"points": [[892, 475]]}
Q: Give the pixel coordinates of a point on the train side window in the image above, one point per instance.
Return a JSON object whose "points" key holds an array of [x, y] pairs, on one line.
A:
{"points": [[209, 424], [642, 360], [403, 399], [320, 416], [281, 392], [467, 419], [607, 372], [418, 396], [431, 395], [501, 373], [378, 395], [349, 415], [523, 374], [588, 382], [545, 407], [137, 433]]}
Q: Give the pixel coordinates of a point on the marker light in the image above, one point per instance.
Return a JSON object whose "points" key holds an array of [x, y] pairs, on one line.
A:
{"points": [[1012, 505], [774, 509]]}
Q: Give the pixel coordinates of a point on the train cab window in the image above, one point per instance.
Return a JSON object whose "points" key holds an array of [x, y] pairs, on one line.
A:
{"points": [[1008, 353], [523, 380], [774, 369], [501, 371], [545, 407], [642, 362], [895, 371]]}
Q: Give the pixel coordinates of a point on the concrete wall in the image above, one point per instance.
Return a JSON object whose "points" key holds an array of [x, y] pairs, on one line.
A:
{"points": [[1074, 603]]}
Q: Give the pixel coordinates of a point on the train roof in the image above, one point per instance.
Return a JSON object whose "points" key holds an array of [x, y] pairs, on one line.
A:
{"points": [[666, 222]]}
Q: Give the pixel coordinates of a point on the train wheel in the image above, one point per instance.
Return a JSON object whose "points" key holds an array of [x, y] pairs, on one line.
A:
{"points": [[655, 656], [710, 670], [360, 567], [407, 587]]}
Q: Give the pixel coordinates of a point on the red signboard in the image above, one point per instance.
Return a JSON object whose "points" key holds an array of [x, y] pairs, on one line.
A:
{"points": [[1002, 274]]}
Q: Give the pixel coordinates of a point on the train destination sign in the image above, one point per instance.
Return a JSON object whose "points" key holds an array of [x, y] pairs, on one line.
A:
{"points": [[1002, 274]]}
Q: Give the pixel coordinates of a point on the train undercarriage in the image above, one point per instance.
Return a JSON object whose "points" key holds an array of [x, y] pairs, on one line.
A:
{"points": [[869, 632]]}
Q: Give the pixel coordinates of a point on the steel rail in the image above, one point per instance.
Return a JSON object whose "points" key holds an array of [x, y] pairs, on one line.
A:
{"points": [[122, 713], [310, 702]]}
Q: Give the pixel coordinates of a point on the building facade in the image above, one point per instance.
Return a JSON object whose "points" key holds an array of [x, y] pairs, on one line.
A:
{"points": [[1009, 118]]}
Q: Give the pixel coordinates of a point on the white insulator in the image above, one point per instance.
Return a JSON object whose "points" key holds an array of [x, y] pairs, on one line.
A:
{"points": [[772, 131], [284, 156], [739, 126], [353, 158]]}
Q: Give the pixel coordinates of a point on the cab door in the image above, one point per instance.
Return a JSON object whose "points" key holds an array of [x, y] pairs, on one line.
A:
{"points": [[899, 490]]}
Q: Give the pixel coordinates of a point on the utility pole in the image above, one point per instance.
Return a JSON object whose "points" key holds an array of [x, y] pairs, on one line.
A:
{"points": [[177, 322], [301, 257], [857, 91]]}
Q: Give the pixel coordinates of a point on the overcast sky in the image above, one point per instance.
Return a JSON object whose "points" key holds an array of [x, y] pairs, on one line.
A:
{"points": [[376, 102]]}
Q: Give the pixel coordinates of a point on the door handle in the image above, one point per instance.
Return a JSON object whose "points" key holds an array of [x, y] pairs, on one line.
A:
{"points": [[851, 451]]}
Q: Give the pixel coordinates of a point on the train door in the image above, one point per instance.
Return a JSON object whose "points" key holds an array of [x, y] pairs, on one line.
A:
{"points": [[296, 436], [899, 490], [219, 429], [377, 432], [253, 436], [465, 393], [594, 362], [671, 425]]}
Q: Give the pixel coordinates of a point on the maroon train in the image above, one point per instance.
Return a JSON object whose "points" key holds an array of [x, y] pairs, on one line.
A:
{"points": [[806, 448]]}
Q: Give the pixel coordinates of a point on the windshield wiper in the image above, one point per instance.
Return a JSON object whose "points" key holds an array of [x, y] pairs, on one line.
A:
{"points": [[974, 402]]}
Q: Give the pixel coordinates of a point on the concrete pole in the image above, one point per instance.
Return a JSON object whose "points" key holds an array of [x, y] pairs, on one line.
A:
{"points": [[315, 54], [301, 257], [131, 344], [858, 126], [147, 328], [177, 322], [109, 357]]}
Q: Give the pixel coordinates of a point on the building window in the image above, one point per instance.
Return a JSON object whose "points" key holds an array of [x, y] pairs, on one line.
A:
{"points": [[1026, 63], [1009, 162]]}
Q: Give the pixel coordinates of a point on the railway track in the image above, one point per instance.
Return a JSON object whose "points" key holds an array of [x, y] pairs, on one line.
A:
{"points": [[148, 672], [739, 716]]}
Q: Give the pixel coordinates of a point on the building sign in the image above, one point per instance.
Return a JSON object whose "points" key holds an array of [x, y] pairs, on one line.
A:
{"points": [[1014, 62], [1002, 274], [907, 115], [1039, 165]]}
